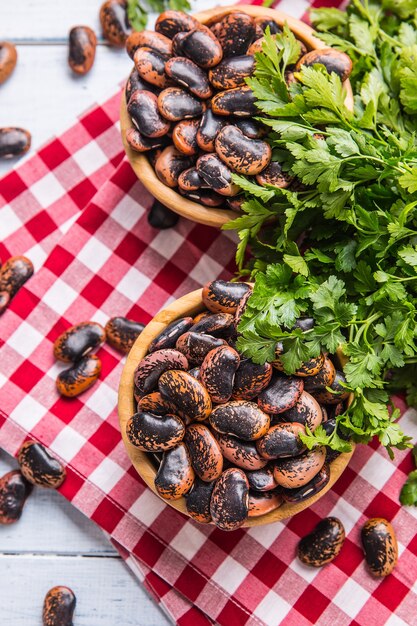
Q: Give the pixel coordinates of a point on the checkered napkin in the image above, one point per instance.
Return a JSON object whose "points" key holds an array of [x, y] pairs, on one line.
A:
{"points": [[77, 210]]}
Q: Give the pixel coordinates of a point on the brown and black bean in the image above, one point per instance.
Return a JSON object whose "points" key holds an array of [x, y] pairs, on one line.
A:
{"points": [[229, 429], [197, 74]]}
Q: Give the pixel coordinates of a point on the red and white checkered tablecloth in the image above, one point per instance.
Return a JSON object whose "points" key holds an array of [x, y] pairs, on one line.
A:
{"points": [[76, 209]]}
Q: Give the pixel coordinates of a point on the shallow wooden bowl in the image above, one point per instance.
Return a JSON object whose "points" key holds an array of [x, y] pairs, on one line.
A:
{"points": [[139, 162], [190, 305]]}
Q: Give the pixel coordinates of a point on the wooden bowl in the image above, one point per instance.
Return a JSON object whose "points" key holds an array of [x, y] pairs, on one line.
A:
{"points": [[190, 305], [139, 162]]}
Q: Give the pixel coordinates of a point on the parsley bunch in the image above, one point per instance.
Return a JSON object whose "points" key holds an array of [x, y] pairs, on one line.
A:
{"points": [[137, 10], [340, 245]]}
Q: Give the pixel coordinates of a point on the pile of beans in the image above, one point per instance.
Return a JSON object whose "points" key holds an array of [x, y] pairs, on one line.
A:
{"points": [[224, 431], [77, 345], [192, 110]]}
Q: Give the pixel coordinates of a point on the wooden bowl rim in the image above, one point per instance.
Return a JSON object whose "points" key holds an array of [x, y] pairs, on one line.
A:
{"points": [[190, 305], [194, 211]]}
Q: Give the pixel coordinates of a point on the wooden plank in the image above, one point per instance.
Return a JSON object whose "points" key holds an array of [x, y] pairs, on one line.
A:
{"points": [[31, 20], [50, 524], [107, 594]]}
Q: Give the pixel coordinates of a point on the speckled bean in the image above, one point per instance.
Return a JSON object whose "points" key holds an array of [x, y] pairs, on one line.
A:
{"points": [[58, 607], [230, 499], [241, 419], [150, 368], [14, 490], [186, 393], [39, 467], [380, 546], [175, 475], [155, 433], [78, 341], [204, 450], [323, 544], [80, 377]]}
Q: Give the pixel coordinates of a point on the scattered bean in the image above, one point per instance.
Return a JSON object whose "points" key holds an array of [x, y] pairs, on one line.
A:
{"points": [[13, 275], [58, 607], [82, 49], [8, 60], [39, 467], [80, 377], [14, 490], [161, 216], [323, 544], [380, 546], [14, 142], [78, 341]]}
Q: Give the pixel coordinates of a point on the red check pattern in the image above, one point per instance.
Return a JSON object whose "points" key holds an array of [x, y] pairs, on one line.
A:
{"points": [[77, 210]]}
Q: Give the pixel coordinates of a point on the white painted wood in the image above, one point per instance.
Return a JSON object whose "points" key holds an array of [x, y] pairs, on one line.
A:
{"points": [[107, 593], [29, 20]]}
